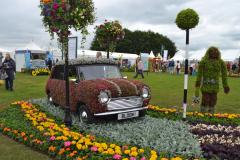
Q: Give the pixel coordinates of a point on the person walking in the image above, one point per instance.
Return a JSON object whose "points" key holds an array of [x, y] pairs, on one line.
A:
{"points": [[139, 68], [10, 68], [49, 64], [178, 67]]}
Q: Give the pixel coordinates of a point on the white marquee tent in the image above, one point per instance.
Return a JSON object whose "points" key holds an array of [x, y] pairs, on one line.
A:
{"points": [[92, 54], [178, 56]]}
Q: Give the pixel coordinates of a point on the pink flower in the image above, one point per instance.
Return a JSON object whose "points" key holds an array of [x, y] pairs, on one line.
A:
{"points": [[67, 144], [117, 156], [94, 149], [55, 6], [143, 158], [52, 138], [133, 158]]}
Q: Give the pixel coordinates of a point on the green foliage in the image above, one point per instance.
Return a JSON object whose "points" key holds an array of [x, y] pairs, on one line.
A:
{"points": [[210, 70], [140, 41], [187, 19]]}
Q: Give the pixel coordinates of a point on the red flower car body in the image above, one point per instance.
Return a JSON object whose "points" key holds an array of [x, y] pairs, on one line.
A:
{"points": [[98, 89]]}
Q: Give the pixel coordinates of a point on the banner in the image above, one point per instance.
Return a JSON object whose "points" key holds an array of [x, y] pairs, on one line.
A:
{"points": [[145, 60], [165, 55], [72, 47]]}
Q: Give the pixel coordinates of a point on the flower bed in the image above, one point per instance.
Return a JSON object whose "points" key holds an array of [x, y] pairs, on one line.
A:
{"points": [[25, 123], [221, 141], [195, 117], [218, 140], [40, 71], [163, 135]]}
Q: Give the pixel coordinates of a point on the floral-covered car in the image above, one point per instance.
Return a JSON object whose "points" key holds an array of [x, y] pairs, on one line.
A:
{"points": [[97, 88]]}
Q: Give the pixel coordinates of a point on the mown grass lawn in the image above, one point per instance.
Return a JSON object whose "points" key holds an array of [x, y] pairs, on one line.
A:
{"points": [[167, 91]]}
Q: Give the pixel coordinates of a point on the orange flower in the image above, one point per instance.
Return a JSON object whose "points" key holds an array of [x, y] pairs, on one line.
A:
{"points": [[61, 151], [52, 148], [71, 154], [23, 134], [25, 139]]}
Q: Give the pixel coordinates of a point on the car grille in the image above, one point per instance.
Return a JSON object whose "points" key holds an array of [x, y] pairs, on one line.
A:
{"points": [[124, 103]]}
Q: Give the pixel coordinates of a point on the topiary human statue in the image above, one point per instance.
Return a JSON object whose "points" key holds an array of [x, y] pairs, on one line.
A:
{"points": [[211, 67], [186, 20]]}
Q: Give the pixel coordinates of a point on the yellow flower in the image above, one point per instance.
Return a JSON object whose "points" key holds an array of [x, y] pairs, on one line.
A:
{"points": [[112, 145], [125, 159], [134, 154], [153, 152], [134, 149], [141, 150], [74, 142], [126, 151], [110, 151], [176, 158], [79, 146]]}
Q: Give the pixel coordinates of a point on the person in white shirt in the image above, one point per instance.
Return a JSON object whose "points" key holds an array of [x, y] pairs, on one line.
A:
{"points": [[178, 67], [139, 68]]}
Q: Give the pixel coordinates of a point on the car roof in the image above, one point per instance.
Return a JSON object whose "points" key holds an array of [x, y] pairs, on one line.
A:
{"points": [[88, 61]]}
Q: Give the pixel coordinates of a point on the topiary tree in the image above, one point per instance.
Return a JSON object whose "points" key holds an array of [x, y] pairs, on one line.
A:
{"points": [[186, 20], [59, 16], [108, 34]]}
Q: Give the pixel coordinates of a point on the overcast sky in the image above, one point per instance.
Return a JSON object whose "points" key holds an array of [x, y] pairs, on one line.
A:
{"points": [[219, 21]]}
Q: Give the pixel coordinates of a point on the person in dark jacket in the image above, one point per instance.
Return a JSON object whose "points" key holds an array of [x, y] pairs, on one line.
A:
{"points": [[10, 67], [49, 64]]}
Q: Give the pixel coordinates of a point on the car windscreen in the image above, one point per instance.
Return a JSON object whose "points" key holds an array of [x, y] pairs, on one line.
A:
{"points": [[90, 72], [38, 64]]}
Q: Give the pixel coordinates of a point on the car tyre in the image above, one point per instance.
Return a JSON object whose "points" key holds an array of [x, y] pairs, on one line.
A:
{"points": [[85, 115], [142, 113]]}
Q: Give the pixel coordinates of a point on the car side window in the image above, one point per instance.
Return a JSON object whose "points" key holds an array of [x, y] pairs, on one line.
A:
{"points": [[73, 74], [58, 73]]}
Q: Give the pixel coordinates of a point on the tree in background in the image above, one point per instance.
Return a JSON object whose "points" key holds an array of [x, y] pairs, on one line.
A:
{"points": [[140, 41], [108, 34], [186, 20]]}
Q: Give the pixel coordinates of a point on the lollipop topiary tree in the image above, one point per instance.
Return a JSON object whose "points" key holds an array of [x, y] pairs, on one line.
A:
{"points": [[108, 34], [186, 20], [59, 16]]}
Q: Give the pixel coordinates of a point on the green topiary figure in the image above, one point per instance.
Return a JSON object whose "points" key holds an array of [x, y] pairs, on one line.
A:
{"points": [[211, 67]]}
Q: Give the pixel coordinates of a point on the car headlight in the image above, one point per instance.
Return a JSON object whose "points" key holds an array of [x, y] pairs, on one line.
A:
{"points": [[145, 93], [103, 97]]}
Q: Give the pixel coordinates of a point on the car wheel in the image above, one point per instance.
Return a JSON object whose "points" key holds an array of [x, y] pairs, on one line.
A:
{"points": [[84, 115], [142, 113]]}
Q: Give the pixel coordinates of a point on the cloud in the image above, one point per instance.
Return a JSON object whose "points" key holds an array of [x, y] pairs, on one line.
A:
{"points": [[219, 21]]}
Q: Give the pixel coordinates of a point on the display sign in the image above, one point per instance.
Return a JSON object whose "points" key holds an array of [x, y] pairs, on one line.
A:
{"points": [[145, 60], [72, 47], [165, 55]]}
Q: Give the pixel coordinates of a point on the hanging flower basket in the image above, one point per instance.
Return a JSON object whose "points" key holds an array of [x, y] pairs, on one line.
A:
{"points": [[61, 15], [109, 33]]}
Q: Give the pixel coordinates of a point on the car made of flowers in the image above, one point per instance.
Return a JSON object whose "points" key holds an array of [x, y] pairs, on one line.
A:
{"points": [[98, 89]]}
